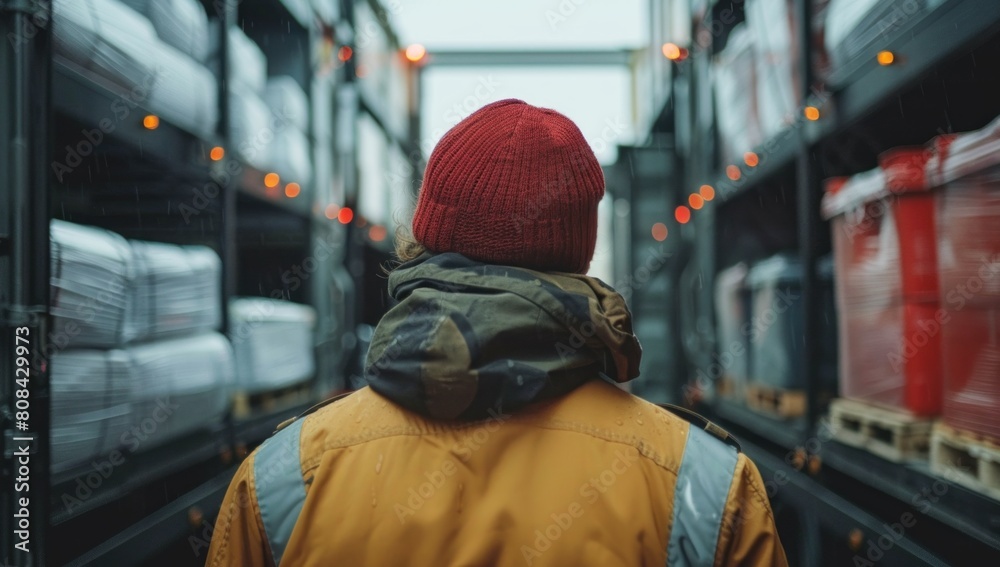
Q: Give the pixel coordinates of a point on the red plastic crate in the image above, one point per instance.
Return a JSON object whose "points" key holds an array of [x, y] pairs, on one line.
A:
{"points": [[885, 250], [966, 169]]}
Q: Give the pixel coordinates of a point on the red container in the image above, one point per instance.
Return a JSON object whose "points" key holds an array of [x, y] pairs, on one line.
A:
{"points": [[885, 250], [966, 169]]}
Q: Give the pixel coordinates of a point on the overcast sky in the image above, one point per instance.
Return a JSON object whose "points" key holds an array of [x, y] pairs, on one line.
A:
{"points": [[598, 99]]}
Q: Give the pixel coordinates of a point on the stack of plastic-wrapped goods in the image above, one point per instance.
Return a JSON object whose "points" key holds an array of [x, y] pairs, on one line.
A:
{"points": [[290, 155], [136, 356], [736, 96], [157, 50], [269, 116], [887, 285], [854, 27], [890, 317], [273, 341], [965, 171]]}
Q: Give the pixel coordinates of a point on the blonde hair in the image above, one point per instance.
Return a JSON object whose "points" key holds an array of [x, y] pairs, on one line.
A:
{"points": [[407, 247]]}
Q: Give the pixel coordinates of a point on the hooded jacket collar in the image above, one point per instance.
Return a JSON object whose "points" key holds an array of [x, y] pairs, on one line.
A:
{"points": [[466, 337]]}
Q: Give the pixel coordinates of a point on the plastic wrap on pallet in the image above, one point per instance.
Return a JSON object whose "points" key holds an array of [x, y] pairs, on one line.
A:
{"points": [[177, 289], [288, 101], [273, 341], [736, 96], [251, 127], [777, 324], [291, 156], [771, 25], [90, 278], [732, 312], [107, 38], [775, 330], [967, 168], [247, 63], [885, 248], [182, 24], [856, 27], [91, 406], [186, 93], [179, 386]]}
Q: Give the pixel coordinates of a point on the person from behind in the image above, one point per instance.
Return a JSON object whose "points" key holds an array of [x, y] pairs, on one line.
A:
{"points": [[493, 431]]}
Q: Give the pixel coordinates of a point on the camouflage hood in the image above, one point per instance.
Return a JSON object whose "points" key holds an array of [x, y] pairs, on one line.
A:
{"points": [[466, 338]]}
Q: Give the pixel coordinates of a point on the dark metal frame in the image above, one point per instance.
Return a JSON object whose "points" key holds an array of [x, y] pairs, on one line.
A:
{"points": [[25, 122]]}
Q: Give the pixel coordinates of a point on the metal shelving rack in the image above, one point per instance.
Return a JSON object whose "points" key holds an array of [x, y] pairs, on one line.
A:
{"points": [[832, 497], [159, 501]]}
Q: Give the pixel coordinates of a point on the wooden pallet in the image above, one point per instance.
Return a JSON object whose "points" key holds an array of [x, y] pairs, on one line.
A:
{"points": [[727, 387], [891, 433], [776, 401], [246, 404], [965, 458]]}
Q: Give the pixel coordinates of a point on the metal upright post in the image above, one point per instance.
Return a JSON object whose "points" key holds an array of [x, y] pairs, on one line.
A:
{"points": [[25, 147], [227, 190], [808, 223]]}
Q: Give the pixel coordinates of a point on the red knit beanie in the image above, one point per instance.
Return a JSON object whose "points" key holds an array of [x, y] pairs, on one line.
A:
{"points": [[512, 184]]}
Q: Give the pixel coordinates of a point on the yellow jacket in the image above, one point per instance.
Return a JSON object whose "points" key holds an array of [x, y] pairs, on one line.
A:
{"points": [[595, 477]]}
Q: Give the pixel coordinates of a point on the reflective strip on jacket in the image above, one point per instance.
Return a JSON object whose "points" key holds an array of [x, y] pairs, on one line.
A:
{"points": [[596, 477]]}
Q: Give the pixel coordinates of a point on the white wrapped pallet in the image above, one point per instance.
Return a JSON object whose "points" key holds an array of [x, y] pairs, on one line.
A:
{"points": [[736, 96], [182, 24], [842, 18], [288, 101], [290, 156], [185, 93], [770, 23], [91, 406], [273, 343], [107, 38], [250, 127], [177, 289], [247, 63], [179, 386], [91, 271]]}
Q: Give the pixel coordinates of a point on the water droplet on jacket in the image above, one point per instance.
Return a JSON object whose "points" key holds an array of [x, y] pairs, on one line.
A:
{"points": [[378, 465], [639, 421], [357, 419], [520, 380], [619, 422], [373, 503]]}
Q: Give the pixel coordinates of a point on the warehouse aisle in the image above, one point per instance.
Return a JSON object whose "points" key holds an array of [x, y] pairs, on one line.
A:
{"points": [[200, 201]]}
